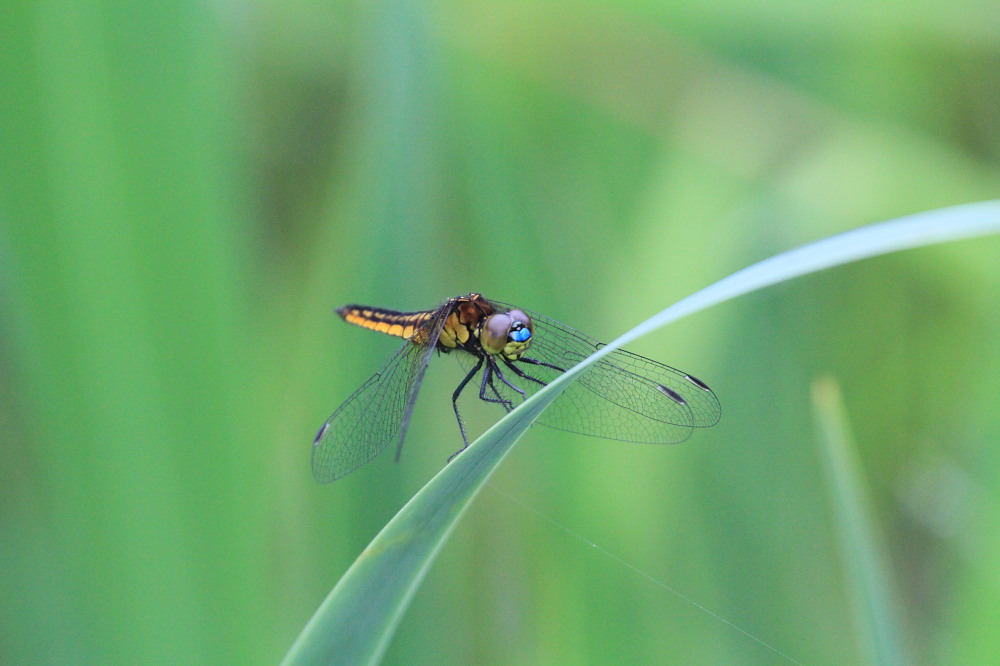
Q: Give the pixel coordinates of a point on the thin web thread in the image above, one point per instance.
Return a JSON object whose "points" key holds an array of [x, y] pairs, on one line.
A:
{"points": [[650, 578]]}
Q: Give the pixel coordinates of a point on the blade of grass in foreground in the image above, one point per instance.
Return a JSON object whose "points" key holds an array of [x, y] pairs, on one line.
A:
{"points": [[357, 620], [876, 619]]}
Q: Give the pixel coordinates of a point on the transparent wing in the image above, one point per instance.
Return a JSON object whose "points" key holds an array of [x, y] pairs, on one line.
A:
{"points": [[624, 396], [377, 413]]}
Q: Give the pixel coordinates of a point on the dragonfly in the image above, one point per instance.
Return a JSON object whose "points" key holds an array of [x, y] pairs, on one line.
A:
{"points": [[515, 352]]}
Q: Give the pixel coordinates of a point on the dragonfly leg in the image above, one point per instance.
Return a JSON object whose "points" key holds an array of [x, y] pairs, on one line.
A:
{"points": [[491, 369], [499, 374], [507, 404], [454, 405], [523, 374]]}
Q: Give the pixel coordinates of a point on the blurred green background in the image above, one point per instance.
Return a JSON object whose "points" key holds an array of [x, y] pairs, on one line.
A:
{"points": [[189, 189]]}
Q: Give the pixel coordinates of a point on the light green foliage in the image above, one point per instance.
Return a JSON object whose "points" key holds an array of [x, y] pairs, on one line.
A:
{"points": [[187, 190]]}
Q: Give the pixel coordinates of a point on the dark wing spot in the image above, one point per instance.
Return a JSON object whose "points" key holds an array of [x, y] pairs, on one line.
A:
{"points": [[322, 431], [672, 394], [697, 382]]}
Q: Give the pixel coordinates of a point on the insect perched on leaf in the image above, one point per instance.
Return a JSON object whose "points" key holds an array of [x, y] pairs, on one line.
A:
{"points": [[624, 396]]}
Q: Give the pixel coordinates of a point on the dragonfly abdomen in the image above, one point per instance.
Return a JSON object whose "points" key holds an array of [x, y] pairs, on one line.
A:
{"points": [[390, 322]]}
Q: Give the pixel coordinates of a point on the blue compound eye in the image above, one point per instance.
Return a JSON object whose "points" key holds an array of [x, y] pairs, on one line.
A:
{"points": [[508, 333], [520, 334], [520, 327]]}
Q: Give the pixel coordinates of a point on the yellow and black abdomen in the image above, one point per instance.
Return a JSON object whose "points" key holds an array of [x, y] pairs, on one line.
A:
{"points": [[390, 322], [463, 316]]}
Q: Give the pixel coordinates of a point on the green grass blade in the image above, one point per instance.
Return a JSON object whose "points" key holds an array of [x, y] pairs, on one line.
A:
{"points": [[918, 230], [875, 612], [356, 621]]}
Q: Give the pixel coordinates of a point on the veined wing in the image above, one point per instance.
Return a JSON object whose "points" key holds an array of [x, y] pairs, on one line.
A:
{"points": [[378, 412], [623, 396]]}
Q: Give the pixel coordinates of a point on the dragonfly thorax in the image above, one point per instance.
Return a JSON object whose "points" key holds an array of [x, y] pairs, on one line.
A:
{"points": [[507, 334]]}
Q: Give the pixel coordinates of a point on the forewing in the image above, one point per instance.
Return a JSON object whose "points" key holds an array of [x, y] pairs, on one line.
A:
{"points": [[377, 414], [623, 396]]}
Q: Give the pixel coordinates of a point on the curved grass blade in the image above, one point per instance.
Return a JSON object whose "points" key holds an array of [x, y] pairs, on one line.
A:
{"points": [[876, 612], [356, 621]]}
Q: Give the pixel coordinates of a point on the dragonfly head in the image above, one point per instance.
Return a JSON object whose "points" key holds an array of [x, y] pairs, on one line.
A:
{"points": [[508, 334]]}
